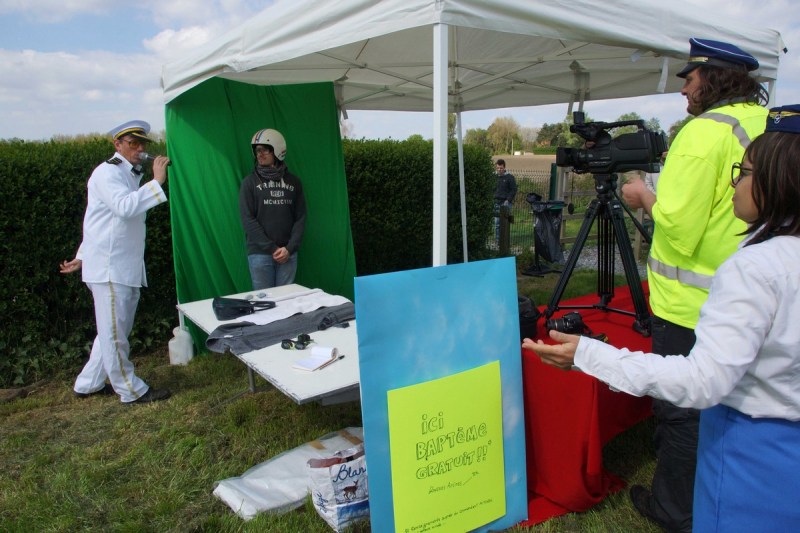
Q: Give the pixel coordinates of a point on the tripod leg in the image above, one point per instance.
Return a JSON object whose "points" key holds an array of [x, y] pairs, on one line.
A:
{"points": [[642, 323], [605, 256], [574, 254]]}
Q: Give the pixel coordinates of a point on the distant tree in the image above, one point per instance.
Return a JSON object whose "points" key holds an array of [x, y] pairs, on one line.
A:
{"points": [[676, 127], [528, 138], [416, 137], [651, 124], [558, 134], [568, 139], [503, 135], [616, 132], [478, 137], [548, 134], [451, 125]]}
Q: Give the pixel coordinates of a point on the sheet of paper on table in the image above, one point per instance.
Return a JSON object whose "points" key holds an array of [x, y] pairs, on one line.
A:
{"points": [[320, 357]]}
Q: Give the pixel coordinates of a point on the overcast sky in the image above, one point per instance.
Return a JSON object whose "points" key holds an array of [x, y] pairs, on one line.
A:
{"points": [[82, 66]]}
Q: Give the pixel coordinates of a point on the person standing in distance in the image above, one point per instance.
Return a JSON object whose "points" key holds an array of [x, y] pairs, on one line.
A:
{"points": [[273, 211], [695, 231], [504, 193], [111, 258]]}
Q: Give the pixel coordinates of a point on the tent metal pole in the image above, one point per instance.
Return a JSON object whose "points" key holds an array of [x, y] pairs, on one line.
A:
{"points": [[440, 64], [462, 186]]}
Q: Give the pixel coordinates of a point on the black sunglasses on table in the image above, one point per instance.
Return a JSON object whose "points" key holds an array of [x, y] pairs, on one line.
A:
{"points": [[301, 343]]}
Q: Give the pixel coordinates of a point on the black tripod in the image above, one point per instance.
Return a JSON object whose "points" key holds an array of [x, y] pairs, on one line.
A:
{"points": [[610, 212]]}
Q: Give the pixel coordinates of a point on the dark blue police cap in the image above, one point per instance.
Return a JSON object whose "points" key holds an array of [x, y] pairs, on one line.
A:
{"points": [[717, 54], [785, 118]]}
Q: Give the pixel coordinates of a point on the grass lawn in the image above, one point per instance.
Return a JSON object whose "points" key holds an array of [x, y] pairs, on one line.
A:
{"points": [[97, 465]]}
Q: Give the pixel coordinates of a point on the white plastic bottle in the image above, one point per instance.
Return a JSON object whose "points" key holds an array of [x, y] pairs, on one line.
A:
{"points": [[181, 349]]}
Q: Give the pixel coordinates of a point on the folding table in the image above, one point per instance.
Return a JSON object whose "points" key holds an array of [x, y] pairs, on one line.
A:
{"points": [[336, 383]]}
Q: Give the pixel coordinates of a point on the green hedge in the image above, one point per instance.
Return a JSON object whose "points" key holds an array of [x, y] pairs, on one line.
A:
{"points": [[48, 318], [390, 186]]}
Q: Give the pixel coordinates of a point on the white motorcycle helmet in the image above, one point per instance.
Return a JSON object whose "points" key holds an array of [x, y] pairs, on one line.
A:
{"points": [[274, 139]]}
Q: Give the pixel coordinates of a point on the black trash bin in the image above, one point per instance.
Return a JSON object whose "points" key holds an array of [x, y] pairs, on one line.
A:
{"points": [[546, 234]]}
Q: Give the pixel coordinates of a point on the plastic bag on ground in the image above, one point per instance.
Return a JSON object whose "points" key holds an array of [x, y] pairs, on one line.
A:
{"points": [[281, 483]]}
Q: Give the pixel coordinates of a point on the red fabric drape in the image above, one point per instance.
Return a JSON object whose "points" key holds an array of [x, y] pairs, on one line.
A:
{"points": [[569, 416]]}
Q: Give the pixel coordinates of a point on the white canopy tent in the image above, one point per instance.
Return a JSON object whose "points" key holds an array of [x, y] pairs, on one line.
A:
{"points": [[460, 55]]}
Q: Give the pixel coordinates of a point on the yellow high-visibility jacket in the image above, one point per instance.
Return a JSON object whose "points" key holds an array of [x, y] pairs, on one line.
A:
{"points": [[695, 229]]}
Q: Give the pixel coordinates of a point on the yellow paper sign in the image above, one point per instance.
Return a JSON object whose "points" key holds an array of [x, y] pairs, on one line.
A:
{"points": [[446, 441]]}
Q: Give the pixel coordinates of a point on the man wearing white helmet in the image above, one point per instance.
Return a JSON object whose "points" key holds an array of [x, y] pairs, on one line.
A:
{"points": [[273, 211]]}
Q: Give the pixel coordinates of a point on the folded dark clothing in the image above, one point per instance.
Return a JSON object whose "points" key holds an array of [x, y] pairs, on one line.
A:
{"points": [[243, 337]]}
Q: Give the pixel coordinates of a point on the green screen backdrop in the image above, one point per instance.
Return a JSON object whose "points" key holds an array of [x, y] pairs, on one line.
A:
{"points": [[208, 140]]}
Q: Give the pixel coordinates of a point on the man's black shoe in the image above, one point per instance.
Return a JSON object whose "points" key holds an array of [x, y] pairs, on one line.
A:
{"points": [[640, 496], [153, 395], [107, 390]]}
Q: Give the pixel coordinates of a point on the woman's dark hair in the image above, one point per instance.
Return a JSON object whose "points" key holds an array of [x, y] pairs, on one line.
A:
{"points": [[775, 158], [724, 84]]}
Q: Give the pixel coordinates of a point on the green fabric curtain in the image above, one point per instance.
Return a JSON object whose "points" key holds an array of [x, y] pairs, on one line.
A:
{"points": [[208, 140]]}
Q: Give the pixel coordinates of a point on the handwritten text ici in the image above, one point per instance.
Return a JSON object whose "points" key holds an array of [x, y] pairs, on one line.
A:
{"points": [[447, 441]]}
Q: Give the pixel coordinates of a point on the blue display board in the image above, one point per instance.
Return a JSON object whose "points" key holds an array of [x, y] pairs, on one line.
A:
{"points": [[419, 327]]}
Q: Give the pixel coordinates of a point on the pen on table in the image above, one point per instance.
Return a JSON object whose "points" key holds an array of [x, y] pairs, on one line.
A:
{"points": [[331, 362]]}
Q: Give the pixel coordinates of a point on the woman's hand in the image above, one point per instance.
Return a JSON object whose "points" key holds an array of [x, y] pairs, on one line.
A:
{"points": [[559, 355]]}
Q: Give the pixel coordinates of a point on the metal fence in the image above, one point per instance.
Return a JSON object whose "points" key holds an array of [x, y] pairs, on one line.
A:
{"points": [[521, 219], [575, 189], [521, 216]]}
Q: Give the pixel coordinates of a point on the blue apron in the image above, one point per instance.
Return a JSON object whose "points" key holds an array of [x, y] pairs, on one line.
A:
{"points": [[748, 474]]}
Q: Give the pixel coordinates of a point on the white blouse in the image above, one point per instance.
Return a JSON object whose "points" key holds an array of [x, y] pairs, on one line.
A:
{"points": [[747, 354]]}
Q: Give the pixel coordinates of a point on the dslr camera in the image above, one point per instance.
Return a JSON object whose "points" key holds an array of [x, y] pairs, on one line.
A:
{"points": [[569, 323], [606, 155]]}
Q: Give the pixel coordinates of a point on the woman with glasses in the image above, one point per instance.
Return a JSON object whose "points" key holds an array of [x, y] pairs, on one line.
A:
{"points": [[744, 370]]}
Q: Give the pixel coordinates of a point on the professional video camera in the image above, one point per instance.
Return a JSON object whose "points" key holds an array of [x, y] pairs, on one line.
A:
{"points": [[606, 155]]}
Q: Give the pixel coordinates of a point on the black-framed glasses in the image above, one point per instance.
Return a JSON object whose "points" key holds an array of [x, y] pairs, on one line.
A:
{"points": [[302, 342], [738, 173]]}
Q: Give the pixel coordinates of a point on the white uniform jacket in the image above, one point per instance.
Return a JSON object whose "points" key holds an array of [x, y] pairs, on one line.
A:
{"points": [[114, 224], [747, 354]]}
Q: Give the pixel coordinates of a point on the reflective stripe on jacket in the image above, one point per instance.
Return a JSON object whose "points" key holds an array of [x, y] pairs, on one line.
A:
{"points": [[695, 229]]}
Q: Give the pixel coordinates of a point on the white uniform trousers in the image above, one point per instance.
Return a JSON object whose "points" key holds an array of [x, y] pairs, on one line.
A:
{"points": [[114, 309]]}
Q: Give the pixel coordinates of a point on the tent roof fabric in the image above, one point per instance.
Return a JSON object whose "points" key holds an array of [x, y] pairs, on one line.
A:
{"points": [[502, 53]]}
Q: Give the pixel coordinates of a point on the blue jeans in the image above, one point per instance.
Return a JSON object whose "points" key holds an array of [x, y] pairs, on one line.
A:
{"points": [[267, 273]]}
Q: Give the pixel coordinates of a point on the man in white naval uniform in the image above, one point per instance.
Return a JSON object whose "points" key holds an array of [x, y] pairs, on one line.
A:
{"points": [[111, 258]]}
